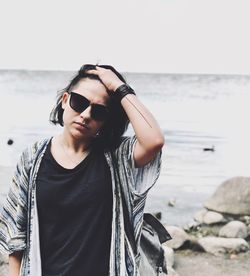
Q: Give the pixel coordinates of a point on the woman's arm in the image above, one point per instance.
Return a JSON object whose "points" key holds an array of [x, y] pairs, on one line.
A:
{"points": [[15, 260], [15, 263], [150, 138]]}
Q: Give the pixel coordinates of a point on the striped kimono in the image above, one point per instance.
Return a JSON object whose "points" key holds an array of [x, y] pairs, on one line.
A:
{"points": [[19, 229]]}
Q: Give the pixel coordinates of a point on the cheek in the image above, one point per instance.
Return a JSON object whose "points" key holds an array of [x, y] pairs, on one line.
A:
{"points": [[64, 117], [67, 115]]}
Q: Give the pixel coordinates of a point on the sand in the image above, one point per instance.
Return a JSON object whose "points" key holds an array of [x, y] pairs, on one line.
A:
{"points": [[188, 262]]}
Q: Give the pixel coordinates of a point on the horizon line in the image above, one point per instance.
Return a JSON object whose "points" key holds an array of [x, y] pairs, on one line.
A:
{"points": [[132, 72]]}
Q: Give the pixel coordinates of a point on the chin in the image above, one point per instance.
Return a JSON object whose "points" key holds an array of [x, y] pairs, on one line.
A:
{"points": [[81, 136]]}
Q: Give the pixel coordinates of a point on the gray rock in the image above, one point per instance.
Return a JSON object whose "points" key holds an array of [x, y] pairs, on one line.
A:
{"points": [[172, 202], [158, 215], [200, 215], [245, 219], [179, 236], [248, 230], [232, 197], [216, 245], [172, 272], [192, 225], [212, 217], [209, 217], [169, 255], [234, 229]]}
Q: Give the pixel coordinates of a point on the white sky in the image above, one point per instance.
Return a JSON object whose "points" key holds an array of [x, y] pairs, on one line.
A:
{"points": [[172, 36]]}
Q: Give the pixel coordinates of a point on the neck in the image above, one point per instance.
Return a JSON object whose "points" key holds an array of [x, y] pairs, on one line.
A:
{"points": [[76, 145]]}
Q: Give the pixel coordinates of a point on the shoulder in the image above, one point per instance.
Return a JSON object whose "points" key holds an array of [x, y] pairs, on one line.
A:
{"points": [[40, 144], [32, 150]]}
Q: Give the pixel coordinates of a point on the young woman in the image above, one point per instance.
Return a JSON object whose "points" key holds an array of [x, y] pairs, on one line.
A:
{"points": [[64, 213]]}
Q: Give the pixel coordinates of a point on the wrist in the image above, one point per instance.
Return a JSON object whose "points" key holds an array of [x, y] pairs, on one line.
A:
{"points": [[122, 91], [117, 85]]}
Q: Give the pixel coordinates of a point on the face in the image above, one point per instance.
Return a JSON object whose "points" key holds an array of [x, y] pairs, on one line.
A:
{"points": [[96, 93]]}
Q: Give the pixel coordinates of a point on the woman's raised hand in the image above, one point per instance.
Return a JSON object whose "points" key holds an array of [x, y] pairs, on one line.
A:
{"points": [[108, 78]]}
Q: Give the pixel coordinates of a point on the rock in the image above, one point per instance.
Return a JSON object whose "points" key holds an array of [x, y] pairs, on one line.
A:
{"points": [[200, 215], [192, 225], [245, 219], [172, 202], [211, 217], [234, 229], [248, 230], [217, 245], [179, 237], [232, 197], [157, 215], [233, 256], [169, 255], [172, 272], [10, 142]]}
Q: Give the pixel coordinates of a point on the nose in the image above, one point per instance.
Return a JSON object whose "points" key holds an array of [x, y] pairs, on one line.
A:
{"points": [[86, 113]]}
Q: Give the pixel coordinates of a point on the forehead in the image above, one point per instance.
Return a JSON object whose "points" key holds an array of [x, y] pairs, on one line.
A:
{"points": [[93, 90]]}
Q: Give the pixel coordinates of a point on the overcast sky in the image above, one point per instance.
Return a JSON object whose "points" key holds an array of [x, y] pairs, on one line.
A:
{"points": [[171, 36]]}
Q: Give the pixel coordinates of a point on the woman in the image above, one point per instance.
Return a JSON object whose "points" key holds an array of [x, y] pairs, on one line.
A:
{"points": [[63, 214]]}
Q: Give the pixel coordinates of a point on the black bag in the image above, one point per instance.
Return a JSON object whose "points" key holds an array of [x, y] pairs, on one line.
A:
{"points": [[152, 259]]}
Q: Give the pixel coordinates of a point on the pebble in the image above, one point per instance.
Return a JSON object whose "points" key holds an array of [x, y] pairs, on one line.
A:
{"points": [[172, 202], [10, 142]]}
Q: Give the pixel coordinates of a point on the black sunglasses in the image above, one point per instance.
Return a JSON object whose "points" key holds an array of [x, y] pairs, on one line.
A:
{"points": [[79, 103]]}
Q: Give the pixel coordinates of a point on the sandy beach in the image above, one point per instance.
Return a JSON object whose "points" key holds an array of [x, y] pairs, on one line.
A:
{"points": [[203, 264]]}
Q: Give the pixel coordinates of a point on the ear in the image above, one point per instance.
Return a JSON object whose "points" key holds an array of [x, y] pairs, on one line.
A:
{"points": [[64, 99]]}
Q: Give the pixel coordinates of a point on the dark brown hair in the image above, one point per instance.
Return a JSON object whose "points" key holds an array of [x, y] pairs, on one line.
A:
{"points": [[117, 122]]}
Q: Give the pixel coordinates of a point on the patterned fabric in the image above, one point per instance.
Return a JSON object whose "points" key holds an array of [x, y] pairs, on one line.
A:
{"points": [[19, 228]]}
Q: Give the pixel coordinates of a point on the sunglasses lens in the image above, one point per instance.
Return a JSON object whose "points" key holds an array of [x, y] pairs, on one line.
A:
{"points": [[99, 112], [78, 102]]}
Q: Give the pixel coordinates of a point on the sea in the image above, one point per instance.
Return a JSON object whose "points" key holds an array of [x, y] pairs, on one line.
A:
{"points": [[194, 111]]}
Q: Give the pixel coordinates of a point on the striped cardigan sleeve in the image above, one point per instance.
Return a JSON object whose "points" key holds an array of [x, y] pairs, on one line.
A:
{"points": [[135, 184], [13, 217], [142, 179]]}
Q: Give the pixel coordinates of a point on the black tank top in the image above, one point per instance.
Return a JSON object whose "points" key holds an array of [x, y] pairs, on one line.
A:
{"points": [[75, 216]]}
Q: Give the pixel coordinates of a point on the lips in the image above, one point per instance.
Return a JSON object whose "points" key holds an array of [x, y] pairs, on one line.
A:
{"points": [[82, 125]]}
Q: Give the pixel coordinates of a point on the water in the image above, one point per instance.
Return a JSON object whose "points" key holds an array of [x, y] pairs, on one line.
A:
{"points": [[194, 111]]}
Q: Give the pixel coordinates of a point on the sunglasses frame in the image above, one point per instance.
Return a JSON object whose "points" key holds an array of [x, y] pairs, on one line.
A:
{"points": [[92, 111]]}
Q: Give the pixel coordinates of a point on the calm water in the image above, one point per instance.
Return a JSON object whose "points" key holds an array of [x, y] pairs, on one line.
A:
{"points": [[194, 111]]}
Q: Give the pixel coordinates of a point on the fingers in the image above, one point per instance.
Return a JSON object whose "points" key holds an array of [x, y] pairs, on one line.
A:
{"points": [[96, 71], [92, 71]]}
